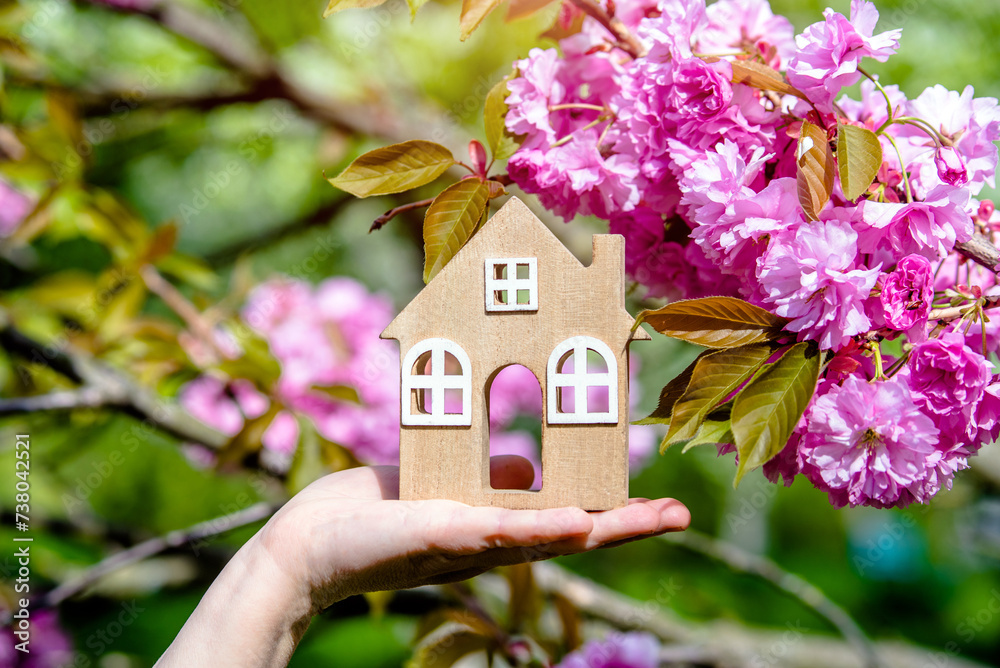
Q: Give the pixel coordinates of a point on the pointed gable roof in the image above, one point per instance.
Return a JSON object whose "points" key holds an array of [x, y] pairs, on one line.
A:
{"points": [[518, 232]]}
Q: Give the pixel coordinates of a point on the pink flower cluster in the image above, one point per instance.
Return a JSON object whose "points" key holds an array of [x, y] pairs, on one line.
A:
{"points": [[699, 174], [618, 650], [323, 337]]}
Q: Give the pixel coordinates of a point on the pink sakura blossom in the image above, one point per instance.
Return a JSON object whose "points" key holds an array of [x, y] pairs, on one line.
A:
{"points": [[618, 650], [323, 337], [907, 293], [951, 168], [747, 24], [712, 179], [828, 53], [868, 443], [14, 208], [50, 646], [930, 228], [947, 377], [968, 123], [811, 277], [737, 238], [670, 34], [576, 178], [649, 258]]}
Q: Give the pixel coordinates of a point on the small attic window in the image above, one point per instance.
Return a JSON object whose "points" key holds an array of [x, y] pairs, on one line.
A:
{"points": [[511, 284]]}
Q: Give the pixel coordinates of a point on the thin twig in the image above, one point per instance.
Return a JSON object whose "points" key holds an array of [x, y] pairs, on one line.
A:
{"points": [[136, 553], [392, 213], [101, 386], [746, 562], [179, 304], [955, 312], [626, 40]]}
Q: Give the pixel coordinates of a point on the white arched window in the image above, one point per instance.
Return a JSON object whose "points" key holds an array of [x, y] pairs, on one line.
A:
{"points": [[437, 386], [581, 391]]}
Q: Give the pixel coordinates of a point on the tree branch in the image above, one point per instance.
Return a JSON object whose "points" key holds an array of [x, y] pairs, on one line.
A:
{"points": [[981, 250], [718, 643], [244, 55], [201, 531], [740, 560], [101, 386]]}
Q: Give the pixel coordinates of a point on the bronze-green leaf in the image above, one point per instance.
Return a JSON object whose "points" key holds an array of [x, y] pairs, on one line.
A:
{"points": [[816, 169], [450, 221], [762, 77], [670, 393], [473, 13], [711, 432], [337, 5], [766, 411], [715, 322], [502, 145], [394, 169], [715, 377], [859, 157]]}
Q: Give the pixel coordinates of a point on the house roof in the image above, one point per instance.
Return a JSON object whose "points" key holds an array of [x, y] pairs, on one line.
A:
{"points": [[514, 231]]}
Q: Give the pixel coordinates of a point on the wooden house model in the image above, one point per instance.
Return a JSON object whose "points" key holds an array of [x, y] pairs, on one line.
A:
{"points": [[515, 295]]}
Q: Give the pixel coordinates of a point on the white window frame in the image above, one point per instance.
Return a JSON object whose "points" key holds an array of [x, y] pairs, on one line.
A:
{"points": [[580, 379], [511, 284], [436, 382]]}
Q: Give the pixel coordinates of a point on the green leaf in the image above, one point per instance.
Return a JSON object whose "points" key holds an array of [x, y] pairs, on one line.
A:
{"points": [[394, 169], [711, 432], [670, 393], [473, 13], [766, 411], [337, 5], [816, 168], [715, 377], [414, 6], [859, 157], [450, 221], [337, 392], [502, 145], [715, 322], [760, 76]]}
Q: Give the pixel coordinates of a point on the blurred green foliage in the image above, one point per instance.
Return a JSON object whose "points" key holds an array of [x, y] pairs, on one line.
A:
{"points": [[145, 128]]}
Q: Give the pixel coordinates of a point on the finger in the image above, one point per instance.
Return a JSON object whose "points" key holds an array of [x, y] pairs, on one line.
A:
{"points": [[638, 520], [461, 530], [511, 472], [635, 521]]}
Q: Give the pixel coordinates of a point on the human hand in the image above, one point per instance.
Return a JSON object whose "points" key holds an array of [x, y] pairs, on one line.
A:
{"points": [[348, 533]]}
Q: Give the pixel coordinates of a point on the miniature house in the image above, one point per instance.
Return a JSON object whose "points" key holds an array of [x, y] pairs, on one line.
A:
{"points": [[515, 295]]}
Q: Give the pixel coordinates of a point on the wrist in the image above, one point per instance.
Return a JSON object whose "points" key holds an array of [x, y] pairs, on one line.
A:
{"points": [[253, 615]]}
